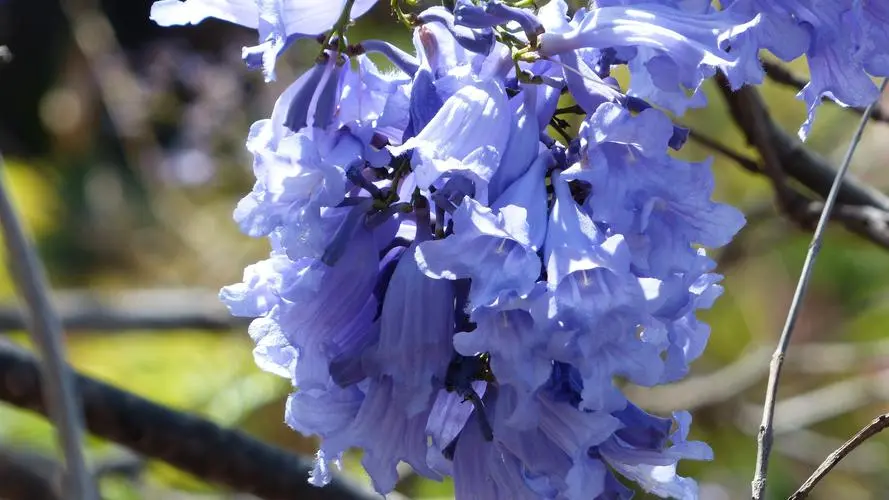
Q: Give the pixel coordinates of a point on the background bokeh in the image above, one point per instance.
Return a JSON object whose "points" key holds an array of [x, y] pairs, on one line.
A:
{"points": [[124, 148]]}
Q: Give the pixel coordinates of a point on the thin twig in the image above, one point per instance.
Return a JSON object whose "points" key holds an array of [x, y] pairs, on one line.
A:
{"points": [[747, 106], [807, 447], [764, 437], [23, 477], [188, 442], [810, 408], [870, 430], [747, 163], [867, 221], [142, 309], [779, 73], [46, 331]]}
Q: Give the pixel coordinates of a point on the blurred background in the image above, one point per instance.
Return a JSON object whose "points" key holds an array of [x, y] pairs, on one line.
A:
{"points": [[124, 148]]}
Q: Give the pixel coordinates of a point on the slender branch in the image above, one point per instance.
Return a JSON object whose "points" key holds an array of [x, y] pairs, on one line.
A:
{"points": [[764, 440], [747, 106], [810, 408], [145, 309], [46, 331], [747, 163], [190, 443], [869, 222], [798, 162], [22, 479], [780, 73], [806, 446], [870, 430]]}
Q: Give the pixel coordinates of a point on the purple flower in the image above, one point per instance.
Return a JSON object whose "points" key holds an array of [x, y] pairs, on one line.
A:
{"points": [[495, 247], [467, 136], [679, 49], [661, 205], [517, 347], [278, 22], [844, 42], [417, 317], [654, 468], [452, 287]]}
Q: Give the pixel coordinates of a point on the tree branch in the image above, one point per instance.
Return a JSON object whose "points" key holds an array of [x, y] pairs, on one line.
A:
{"points": [[869, 222], [46, 332], [780, 73], [764, 438], [156, 309], [810, 408], [28, 478], [798, 163], [190, 443], [870, 430]]}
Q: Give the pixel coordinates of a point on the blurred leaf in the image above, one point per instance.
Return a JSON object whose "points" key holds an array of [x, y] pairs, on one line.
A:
{"points": [[33, 195], [118, 488], [35, 200], [180, 369]]}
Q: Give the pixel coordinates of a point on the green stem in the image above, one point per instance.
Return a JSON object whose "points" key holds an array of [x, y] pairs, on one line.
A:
{"points": [[339, 28], [396, 8], [524, 3]]}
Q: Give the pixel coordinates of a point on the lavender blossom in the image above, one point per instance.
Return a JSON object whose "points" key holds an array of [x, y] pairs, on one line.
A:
{"points": [[844, 43], [278, 22]]}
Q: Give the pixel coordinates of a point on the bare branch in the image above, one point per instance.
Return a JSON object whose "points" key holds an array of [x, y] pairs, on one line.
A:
{"points": [[870, 430], [806, 446], [152, 309], [197, 446], [780, 73], [869, 222], [24, 478], [764, 441], [824, 403], [46, 331], [747, 106], [749, 164], [801, 164]]}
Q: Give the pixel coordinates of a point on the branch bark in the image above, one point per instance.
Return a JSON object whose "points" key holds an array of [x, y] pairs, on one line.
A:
{"points": [[45, 328], [869, 222], [28, 478], [190, 443], [870, 430], [862, 210]]}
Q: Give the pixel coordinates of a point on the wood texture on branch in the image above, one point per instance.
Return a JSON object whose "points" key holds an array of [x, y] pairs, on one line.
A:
{"points": [[25, 478], [861, 209], [187, 442], [798, 162], [870, 430]]}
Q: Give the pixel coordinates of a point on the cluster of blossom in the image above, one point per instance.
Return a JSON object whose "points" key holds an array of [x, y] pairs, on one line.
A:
{"points": [[453, 286]]}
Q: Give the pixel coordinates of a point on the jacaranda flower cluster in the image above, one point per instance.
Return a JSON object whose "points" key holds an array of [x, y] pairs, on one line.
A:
{"points": [[457, 282]]}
